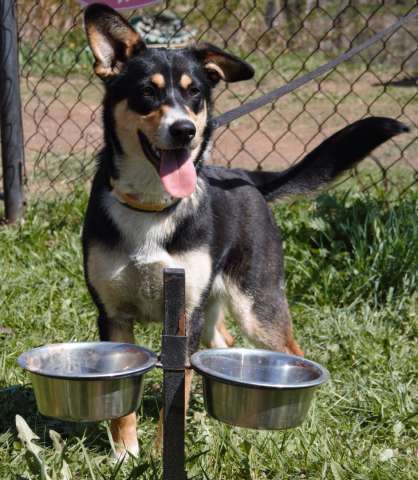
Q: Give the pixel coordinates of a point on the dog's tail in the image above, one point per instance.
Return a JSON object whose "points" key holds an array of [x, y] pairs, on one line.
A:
{"points": [[340, 152]]}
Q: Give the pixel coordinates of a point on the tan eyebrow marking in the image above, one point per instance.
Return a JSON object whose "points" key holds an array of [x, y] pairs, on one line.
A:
{"points": [[158, 80], [185, 81]]}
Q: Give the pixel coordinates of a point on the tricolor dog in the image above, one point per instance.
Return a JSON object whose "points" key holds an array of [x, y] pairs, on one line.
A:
{"points": [[155, 204]]}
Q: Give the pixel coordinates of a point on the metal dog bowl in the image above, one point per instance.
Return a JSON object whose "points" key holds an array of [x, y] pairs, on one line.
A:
{"points": [[257, 388], [88, 381]]}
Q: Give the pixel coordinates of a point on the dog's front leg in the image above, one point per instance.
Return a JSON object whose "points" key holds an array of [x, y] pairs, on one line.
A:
{"points": [[123, 429], [124, 436]]}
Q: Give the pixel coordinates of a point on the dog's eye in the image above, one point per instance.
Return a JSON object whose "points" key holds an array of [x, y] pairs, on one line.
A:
{"points": [[194, 91], [148, 92]]}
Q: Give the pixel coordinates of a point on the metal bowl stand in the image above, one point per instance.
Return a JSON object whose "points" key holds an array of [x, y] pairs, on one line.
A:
{"points": [[173, 362]]}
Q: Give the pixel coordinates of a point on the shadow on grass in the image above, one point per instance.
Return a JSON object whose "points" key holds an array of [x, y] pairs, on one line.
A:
{"points": [[403, 82], [20, 400], [151, 404]]}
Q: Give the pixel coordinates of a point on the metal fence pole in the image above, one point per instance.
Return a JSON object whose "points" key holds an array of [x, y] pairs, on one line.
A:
{"points": [[12, 146], [173, 358]]}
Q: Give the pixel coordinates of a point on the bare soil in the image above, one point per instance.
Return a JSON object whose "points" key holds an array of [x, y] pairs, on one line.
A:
{"points": [[63, 130]]}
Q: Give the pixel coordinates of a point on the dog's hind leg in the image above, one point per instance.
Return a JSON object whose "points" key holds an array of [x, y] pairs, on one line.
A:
{"points": [[123, 429], [264, 319], [215, 333], [221, 327]]}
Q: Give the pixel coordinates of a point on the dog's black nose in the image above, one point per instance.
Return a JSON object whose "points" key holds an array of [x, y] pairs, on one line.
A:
{"points": [[183, 131]]}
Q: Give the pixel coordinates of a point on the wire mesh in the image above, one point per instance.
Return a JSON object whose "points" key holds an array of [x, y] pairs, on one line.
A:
{"points": [[281, 39]]}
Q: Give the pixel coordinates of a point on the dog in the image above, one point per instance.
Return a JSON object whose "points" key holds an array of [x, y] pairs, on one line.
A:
{"points": [[155, 204]]}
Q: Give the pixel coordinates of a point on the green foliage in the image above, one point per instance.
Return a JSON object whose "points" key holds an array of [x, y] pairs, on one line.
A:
{"points": [[348, 248], [53, 40], [351, 265], [44, 58]]}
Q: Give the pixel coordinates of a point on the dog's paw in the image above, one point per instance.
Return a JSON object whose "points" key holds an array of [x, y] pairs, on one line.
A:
{"points": [[122, 454]]}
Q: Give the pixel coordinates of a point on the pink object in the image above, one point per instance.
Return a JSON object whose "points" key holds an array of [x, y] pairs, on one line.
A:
{"points": [[121, 4], [177, 172]]}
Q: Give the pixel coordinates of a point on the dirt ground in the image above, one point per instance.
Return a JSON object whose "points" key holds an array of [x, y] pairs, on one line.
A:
{"points": [[62, 123]]}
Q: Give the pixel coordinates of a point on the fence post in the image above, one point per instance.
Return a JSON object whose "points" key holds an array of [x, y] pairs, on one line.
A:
{"points": [[12, 146]]}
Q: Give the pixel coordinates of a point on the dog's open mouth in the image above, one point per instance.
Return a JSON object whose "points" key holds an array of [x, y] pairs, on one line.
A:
{"points": [[175, 167]]}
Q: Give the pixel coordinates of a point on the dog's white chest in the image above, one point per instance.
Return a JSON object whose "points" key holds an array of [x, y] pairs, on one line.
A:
{"points": [[129, 277], [145, 274], [132, 282]]}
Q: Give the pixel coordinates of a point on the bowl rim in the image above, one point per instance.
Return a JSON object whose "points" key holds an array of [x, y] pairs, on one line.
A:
{"points": [[148, 365], [197, 364]]}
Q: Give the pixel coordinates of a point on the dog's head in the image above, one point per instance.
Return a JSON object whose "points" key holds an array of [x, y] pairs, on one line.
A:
{"points": [[158, 100]]}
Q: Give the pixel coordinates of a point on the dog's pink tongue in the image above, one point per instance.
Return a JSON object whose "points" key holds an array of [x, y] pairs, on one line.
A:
{"points": [[177, 172]]}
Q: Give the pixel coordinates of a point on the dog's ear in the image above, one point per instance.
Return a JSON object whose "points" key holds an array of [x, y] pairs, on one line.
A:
{"points": [[112, 40], [221, 65]]}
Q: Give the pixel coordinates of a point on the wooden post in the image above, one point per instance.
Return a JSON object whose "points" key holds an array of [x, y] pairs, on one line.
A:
{"points": [[173, 357], [12, 146]]}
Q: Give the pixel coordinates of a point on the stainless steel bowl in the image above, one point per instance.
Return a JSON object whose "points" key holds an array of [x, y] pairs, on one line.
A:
{"points": [[257, 388], [88, 381]]}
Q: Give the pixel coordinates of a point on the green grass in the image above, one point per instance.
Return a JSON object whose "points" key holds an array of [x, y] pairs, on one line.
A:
{"points": [[351, 273], [75, 59]]}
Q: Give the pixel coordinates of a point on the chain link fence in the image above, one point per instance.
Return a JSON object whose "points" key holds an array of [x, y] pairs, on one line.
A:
{"points": [[61, 96]]}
